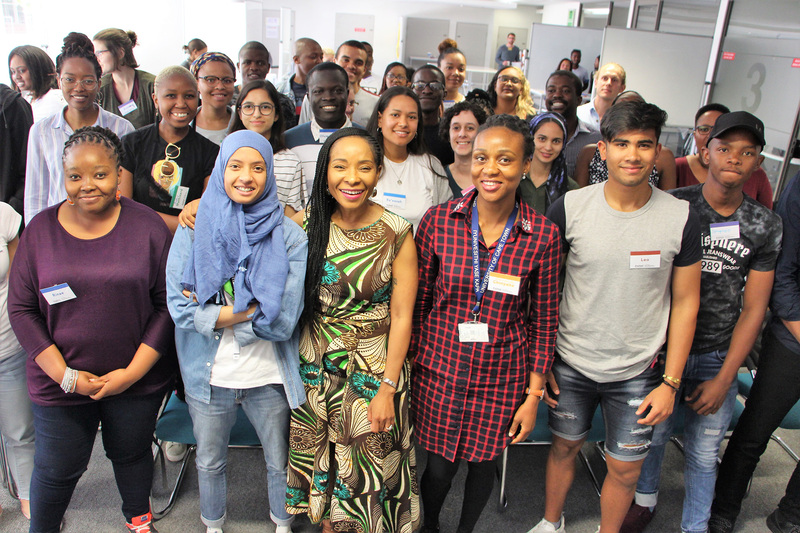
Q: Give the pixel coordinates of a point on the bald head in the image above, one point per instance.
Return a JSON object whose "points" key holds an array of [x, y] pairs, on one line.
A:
{"points": [[307, 55]]}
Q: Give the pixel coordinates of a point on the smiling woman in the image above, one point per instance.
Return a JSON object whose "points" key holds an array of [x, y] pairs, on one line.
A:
{"points": [[78, 75], [167, 164], [216, 75]]}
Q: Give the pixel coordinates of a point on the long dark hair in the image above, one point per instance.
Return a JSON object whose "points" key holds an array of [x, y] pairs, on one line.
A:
{"points": [[389, 67], [276, 132], [41, 68], [417, 145], [321, 207]]}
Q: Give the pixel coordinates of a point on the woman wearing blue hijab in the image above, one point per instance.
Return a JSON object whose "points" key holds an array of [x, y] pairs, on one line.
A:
{"points": [[547, 180], [235, 292]]}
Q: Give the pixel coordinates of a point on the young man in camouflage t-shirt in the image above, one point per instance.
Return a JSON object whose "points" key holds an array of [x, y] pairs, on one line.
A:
{"points": [[741, 241]]}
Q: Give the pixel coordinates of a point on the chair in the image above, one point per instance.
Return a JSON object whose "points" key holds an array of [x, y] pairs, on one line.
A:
{"points": [[175, 425], [541, 436]]}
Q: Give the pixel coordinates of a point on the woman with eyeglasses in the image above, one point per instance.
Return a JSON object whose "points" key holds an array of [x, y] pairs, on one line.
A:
{"points": [[256, 111], [78, 76], [216, 76], [33, 74], [167, 165], [124, 90], [511, 93], [395, 75]]}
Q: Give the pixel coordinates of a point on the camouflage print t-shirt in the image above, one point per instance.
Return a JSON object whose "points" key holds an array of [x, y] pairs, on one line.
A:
{"points": [[727, 260]]}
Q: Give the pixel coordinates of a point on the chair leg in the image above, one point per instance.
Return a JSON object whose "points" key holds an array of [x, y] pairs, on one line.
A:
{"points": [[158, 514], [592, 475], [503, 501], [785, 447]]}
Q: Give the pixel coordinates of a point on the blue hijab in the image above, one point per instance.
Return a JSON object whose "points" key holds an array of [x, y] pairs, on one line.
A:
{"points": [[245, 240], [557, 182]]}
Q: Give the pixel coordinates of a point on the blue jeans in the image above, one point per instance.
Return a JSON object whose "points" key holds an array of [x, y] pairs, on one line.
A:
{"points": [[64, 439], [702, 438], [268, 411], [16, 421], [626, 440]]}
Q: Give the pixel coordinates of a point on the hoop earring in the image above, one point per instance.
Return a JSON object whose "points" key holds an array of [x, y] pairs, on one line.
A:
{"points": [[118, 195], [69, 201]]}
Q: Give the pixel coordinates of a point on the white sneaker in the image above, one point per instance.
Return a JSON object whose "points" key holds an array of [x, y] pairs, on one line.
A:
{"points": [[547, 527], [211, 529], [283, 529], [175, 452]]}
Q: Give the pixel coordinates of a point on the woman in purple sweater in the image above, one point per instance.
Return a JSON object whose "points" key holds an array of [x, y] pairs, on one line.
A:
{"points": [[87, 301]]}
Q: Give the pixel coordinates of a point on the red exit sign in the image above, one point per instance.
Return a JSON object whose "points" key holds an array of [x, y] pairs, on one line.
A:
{"points": [[729, 56]]}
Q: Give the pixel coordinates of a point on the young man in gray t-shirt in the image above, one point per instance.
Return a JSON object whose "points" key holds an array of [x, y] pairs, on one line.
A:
{"points": [[632, 283]]}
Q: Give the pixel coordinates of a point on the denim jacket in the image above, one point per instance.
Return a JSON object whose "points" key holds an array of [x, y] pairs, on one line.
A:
{"points": [[197, 340]]}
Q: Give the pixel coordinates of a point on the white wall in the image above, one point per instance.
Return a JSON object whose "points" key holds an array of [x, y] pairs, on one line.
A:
{"points": [[559, 13]]}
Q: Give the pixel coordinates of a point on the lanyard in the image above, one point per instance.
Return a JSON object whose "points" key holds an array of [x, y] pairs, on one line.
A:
{"points": [[480, 286]]}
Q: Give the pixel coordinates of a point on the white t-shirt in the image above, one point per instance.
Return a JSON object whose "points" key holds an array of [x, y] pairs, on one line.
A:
{"points": [[244, 367], [9, 229], [412, 187], [51, 103]]}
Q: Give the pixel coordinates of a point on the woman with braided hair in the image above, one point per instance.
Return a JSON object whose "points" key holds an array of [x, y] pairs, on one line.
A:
{"points": [[351, 459], [78, 77], [90, 359], [216, 76]]}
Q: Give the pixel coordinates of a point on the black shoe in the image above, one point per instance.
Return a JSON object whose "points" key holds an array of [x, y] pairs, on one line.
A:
{"points": [[777, 524], [718, 524]]}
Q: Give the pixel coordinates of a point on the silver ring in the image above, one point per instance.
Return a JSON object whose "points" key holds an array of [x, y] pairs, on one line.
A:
{"points": [[389, 427]]}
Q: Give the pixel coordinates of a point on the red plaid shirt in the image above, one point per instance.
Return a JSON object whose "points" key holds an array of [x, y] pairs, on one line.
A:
{"points": [[464, 395]]}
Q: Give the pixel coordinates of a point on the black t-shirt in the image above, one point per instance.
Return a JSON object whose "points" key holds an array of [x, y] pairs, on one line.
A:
{"points": [[144, 147], [436, 147], [726, 263]]}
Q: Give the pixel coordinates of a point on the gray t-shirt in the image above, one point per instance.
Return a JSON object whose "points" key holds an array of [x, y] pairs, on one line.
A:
{"points": [[616, 301], [726, 263]]}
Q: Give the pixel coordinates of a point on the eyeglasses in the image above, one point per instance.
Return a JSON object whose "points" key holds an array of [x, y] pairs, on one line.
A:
{"points": [[265, 109], [398, 78], [507, 79], [88, 83], [433, 85], [703, 130], [212, 80], [98, 53]]}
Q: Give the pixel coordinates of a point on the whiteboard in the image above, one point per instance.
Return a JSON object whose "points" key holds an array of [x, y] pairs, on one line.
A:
{"points": [[667, 69], [550, 44]]}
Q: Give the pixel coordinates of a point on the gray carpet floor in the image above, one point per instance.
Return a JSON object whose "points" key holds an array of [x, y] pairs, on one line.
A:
{"points": [[95, 504]]}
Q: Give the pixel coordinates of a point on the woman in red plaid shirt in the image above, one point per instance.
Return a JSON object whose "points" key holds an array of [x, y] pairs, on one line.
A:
{"points": [[486, 313]]}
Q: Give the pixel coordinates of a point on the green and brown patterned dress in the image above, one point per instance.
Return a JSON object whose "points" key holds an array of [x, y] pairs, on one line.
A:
{"points": [[364, 482]]}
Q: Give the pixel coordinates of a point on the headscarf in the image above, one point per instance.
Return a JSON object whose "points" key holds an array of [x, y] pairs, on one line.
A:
{"points": [[558, 181], [211, 56], [241, 239]]}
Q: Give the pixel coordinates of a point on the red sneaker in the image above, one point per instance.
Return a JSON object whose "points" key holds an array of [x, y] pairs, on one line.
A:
{"points": [[637, 519], [142, 524]]}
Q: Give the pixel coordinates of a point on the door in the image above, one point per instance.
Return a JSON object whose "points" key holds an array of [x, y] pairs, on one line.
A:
{"points": [[471, 40]]}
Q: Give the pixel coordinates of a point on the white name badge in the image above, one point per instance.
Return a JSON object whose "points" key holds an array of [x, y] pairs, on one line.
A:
{"points": [[392, 199], [473, 332], [724, 230], [504, 283], [448, 104], [649, 259], [324, 134], [58, 293], [180, 198], [127, 107]]}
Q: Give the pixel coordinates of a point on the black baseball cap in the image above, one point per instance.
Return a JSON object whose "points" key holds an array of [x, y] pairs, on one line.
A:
{"points": [[738, 120]]}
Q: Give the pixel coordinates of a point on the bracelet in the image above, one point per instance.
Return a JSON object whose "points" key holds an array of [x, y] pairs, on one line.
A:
{"points": [[676, 381], [539, 393], [670, 385], [70, 380], [391, 383]]}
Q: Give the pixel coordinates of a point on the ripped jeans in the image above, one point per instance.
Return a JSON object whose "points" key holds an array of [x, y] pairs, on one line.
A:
{"points": [[702, 438], [571, 419]]}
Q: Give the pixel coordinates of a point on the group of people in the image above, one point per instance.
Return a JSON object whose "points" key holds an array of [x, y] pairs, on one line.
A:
{"points": [[419, 273]]}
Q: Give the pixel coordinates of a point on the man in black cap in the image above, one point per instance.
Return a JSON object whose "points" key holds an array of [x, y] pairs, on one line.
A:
{"points": [[775, 390], [740, 241]]}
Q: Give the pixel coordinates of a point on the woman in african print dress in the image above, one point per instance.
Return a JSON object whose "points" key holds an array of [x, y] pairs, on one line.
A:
{"points": [[351, 460]]}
